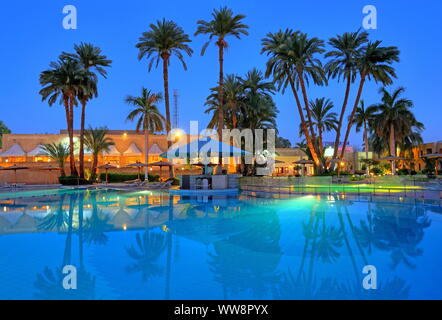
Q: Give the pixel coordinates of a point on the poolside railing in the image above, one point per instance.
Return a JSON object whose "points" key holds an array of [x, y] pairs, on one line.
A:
{"points": [[290, 187]]}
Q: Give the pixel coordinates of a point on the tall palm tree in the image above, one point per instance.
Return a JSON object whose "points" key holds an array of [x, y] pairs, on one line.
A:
{"points": [[394, 120], [64, 81], [345, 50], [363, 119], [59, 152], [150, 120], [323, 119], [97, 143], [90, 57], [224, 23], [292, 61], [164, 40], [374, 61]]}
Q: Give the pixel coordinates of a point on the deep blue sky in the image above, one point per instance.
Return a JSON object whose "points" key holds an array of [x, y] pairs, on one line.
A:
{"points": [[32, 35]]}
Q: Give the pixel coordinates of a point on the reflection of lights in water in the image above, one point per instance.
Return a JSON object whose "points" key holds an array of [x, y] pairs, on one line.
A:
{"points": [[165, 228], [124, 227], [5, 209]]}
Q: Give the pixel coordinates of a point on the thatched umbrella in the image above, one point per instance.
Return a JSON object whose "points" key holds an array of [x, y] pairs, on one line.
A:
{"points": [[50, 169], [15, 168], [436, 156], [303, 162], [161, 164], [138, 165], [107, 167]]}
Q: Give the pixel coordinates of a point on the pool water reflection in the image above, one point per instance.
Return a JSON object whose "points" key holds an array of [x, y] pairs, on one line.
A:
{"points": [[144, 245]]}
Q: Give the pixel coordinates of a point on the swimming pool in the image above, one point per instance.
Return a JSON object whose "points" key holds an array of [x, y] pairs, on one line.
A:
{"points": [[155, 245]]}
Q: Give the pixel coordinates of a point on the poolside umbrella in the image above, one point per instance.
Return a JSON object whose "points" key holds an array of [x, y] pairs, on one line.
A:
{"points": [[15, 168], [204, 148], [161, 164], [392, 159], [138, 165], [50, 169], [107, 167], [436, 156], [303, 162]]}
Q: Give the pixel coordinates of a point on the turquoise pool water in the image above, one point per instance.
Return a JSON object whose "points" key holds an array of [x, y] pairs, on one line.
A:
{"points": [[146, 245]]}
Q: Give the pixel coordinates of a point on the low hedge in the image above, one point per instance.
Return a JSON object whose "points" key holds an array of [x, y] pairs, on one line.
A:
{"points": [[122, 177], [72, 181]]}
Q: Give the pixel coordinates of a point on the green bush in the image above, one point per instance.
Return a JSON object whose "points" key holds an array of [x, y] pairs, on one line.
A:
{"points": [[122, 177], [376, 170], [406, 172], [72, 181]]}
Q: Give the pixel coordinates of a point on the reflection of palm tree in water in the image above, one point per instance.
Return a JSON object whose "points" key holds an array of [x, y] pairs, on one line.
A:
{"points": [[49, 284], [57, 220], [396, 229], [96, 225], [248, 259], [149, 247], [306, 286]]}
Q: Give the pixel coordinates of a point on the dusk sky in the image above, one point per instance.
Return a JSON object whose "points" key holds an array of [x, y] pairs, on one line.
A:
{"points": [[33, 36]]}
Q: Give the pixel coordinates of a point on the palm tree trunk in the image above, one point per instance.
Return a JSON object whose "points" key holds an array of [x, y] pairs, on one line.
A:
{"points": [[307, 109], [321, 147], [70, 121], [303, 125], [146, 155], [318, 161], [220, 97], [341, 117], [352, 115], [83, 117], [367, 169], [94, 167], [392, 149], [166, 101]]}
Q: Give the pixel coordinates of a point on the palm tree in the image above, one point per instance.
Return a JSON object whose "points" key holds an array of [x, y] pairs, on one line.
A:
{"points": [[97, 142], [394, 120], [233, 92], [224, 23], [346, 49], [292, 62], [59, 152], [374, 61], [3, 129], [149, 118], [163, 40], [65, 81], [364, 119], [323, 118], [89, 56]]}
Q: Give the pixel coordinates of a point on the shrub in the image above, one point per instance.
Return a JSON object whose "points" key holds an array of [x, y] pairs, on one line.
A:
{"points": [[72, 181], [406, 172], [122, 177], [376, 170]]}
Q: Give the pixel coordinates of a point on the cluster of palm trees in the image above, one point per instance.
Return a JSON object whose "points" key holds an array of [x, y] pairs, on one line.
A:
{"points": [[72, 80], [391, 125], [295, 61]]}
